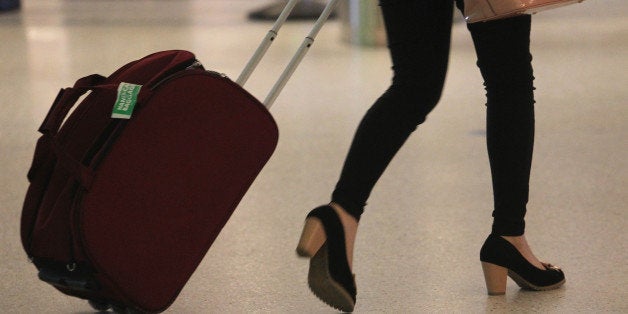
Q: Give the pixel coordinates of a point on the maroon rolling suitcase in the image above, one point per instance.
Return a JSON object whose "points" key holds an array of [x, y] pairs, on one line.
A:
{"points": [[128, 193]]}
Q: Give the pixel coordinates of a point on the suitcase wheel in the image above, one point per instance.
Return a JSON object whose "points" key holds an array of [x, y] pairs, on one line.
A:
{"points": [[118, 309], [97, 305], [103, 306]]}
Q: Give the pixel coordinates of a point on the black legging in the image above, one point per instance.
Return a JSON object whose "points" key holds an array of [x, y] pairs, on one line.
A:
{"points": [[419, 34]]}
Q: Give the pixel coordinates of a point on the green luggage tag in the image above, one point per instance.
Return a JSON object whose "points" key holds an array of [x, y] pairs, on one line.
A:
{"points": [[125, 103]]}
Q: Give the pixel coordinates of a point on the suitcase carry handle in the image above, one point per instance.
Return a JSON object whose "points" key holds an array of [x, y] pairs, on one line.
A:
{"points": [[65, 100], [60, 108], [173, 61], [296, 59]]}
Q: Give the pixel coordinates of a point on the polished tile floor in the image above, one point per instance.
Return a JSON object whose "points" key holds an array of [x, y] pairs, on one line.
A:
{"points": [[417, 249]]}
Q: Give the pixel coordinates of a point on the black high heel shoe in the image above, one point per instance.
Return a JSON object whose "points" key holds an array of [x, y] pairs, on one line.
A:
{"points": [[501, 259], [329, 277]]}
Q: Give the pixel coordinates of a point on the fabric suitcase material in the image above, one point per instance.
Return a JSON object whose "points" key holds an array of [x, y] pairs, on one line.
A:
{"points": [[123, 211], [128, 193]]}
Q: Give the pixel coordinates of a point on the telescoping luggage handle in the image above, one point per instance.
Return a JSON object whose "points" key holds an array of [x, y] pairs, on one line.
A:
{"points": [[296, 59]]}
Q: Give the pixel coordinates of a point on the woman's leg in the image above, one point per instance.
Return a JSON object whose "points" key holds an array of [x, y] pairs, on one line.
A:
{"points": [[503, 50], [418, 38]]}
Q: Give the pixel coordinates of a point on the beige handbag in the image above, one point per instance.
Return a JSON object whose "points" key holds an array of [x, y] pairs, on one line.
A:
{"points": [[485, 10]]}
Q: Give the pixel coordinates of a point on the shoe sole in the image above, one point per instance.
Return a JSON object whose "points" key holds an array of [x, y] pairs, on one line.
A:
{"points": [[524, 284], [324, 287]]}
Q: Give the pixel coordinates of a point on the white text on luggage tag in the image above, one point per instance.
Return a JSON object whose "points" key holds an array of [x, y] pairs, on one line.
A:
{"points": [[125, 103]]}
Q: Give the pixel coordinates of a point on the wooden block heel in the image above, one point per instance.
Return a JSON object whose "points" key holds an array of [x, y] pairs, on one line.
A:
{"points": [[495, 277], [312, 237]]}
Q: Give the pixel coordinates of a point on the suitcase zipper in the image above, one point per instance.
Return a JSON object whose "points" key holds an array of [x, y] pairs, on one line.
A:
{"points": [[182, 73], [196, 65]]}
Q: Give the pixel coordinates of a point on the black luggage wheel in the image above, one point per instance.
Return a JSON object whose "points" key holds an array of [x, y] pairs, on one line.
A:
{"points": [[71, 276], [101, 306]]}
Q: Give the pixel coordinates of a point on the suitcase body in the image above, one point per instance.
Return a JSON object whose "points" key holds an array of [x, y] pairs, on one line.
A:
{"points": [[128, 193], [121, 211]]}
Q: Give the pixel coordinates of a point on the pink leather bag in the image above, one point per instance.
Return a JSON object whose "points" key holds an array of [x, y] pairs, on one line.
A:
{"points": [[486, 10]]}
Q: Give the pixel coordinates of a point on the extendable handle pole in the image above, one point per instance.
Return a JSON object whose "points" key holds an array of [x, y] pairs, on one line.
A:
{"points": [[265, 44], [303, 49]]}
